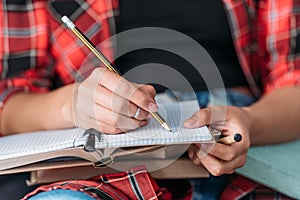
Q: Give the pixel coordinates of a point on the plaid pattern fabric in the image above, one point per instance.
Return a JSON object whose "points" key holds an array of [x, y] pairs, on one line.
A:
{"points": [[266, 38], [133, 184], [35, 46], [245, 189]]}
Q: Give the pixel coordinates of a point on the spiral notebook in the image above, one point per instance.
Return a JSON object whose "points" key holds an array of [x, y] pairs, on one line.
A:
{"points": [[27, 148]]}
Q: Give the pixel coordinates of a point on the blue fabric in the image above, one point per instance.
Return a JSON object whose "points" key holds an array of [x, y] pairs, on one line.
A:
{"points": [[208, 188], [216, 97], [61, 195]]}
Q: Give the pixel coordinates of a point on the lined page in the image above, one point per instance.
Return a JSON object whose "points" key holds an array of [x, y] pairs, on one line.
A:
{"points": [[153, 134], [37, 142]]}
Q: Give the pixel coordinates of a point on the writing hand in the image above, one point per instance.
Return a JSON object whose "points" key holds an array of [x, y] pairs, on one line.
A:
{"points": [[107, 102]]}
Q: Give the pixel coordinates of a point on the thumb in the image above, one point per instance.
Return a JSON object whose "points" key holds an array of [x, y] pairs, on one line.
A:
{"points": [[200, 118]]}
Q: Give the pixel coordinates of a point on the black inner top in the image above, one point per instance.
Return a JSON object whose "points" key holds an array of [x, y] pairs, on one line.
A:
{"points": [[204, 21]]}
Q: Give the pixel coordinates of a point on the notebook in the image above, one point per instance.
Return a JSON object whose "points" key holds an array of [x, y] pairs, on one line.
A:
{"points": [[27, 148]]}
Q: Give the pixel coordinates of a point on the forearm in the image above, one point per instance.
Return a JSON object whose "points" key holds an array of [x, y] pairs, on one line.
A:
{"points": [[25, 112], [275, 117]]}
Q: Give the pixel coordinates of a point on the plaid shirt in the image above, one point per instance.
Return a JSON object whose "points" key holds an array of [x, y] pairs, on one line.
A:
{"points": [[244, 189], [267, 42], [35, 47], [133, 184]]}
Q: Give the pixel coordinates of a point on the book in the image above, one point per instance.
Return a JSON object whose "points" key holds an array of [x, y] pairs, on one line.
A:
{"points": [[99, 148], [74, 170]]}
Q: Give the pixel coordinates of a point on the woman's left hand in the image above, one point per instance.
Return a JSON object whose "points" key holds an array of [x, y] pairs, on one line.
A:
{"points": [[219, 158]]}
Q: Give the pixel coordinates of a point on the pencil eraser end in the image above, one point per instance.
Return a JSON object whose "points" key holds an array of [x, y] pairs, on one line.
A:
{"points": [[68, 22], [237, 137]]}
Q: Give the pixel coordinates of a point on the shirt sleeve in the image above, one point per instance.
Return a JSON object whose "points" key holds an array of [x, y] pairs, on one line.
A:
{"points": [[279, 44], [25, 64], [35, 46]]}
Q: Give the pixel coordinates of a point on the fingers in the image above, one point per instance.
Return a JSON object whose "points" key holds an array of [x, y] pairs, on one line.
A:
{"points": [[218, 167], [212, 115], [194, 154], [118, 104], [200, 118], [107, 102], [111, 124], [106, 121], [113, 119], [143, 98], [102, 127], [221, 159], [225, 152], [149, 89]]}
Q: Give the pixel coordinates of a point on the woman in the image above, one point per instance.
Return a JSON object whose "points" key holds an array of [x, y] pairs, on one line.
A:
{"points": [[252, 43]]}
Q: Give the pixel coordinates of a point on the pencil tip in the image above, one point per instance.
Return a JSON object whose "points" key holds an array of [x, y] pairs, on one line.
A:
{"points": [[167, 127]]}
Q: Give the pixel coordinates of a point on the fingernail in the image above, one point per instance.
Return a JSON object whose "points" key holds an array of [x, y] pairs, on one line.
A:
{"points": [[191, 123], [152, 107]]}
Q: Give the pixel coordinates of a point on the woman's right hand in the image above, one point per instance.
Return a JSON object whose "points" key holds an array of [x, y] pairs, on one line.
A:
{"points": [[108, 103]]}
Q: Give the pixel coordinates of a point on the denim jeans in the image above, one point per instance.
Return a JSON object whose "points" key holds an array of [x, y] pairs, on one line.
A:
{"points": [[60, 194], [203, 188]]}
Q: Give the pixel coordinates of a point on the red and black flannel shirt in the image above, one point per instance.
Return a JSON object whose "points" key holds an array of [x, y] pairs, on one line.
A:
{"points": [[35, 47], [133, 184]]}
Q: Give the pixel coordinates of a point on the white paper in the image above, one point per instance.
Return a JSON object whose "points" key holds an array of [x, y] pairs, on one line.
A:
{"points": [[37, 142], [153, 134]]}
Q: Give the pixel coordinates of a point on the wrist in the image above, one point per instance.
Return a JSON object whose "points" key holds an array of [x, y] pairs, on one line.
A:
{"points": [[60, 104], [66, 109], [252, 123]]}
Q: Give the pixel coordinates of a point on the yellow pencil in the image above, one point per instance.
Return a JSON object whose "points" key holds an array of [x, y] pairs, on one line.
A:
{"points": [[106, 62]]}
